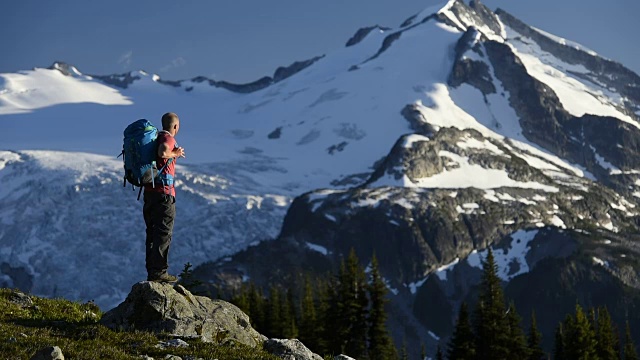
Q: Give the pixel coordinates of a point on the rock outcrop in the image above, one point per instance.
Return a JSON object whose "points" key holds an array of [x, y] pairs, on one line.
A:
{"points": [[167, 308], [290, 349], [49, 353], [159, 307]]}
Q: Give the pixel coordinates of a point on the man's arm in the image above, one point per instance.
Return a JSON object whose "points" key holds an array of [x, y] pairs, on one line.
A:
{"points": [[165, 152]]}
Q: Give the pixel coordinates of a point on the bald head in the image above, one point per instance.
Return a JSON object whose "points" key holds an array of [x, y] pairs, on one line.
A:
{"points": [[170, 123]]}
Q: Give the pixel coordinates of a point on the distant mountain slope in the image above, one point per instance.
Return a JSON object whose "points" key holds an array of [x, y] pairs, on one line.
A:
{"points": [[461, 129]]}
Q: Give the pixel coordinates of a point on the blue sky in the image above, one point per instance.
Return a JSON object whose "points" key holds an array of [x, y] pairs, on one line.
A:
{"points": [[242, 40]]}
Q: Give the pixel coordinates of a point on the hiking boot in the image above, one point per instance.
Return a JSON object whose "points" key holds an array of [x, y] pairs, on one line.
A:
{"points": [[164, 278]]}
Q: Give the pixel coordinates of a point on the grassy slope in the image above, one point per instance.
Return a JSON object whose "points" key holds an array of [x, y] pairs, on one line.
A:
{"points": [[75, 329]]}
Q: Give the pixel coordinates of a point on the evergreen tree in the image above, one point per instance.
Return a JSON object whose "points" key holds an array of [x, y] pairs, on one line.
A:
{"points": [[423, 352], [352, 308], [439, 354], [404, 355], [308, 318], [241, 300], [491, 326], [288, 316], [380, 343], [346, 316], [462, 343], [605, 335], [324, 328], [559, 345], [517, 343], [256, 307], [580, 339], [274, 319], [336, 321], [619, 347], [629, 348], [188, 281], [534, 340], [592, 320]]}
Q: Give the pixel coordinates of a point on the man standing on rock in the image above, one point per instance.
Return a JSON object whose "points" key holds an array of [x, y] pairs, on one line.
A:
{"points": [[160, 202]]}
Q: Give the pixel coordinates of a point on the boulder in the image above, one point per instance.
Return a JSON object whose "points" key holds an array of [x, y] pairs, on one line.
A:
{"points": [[343, 357], [290, 349], [20, 299], [49, 353], [159, 307]]}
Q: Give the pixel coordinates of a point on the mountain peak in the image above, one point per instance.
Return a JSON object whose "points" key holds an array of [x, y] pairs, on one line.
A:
{"points": [[65, 68]]}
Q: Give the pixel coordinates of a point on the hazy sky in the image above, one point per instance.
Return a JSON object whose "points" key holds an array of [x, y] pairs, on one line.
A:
{"points": [[242, 40]]}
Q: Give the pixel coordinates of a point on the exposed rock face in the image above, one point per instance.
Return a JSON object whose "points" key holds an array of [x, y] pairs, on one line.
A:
{"points": [[417, 121], [244, 88], [64, 68], [605, 71], [546, 123], [118, 80], [483, 15], [362, 33], [474, 14], [466, 70], [283, 73], [159, 307], [290, 349]]}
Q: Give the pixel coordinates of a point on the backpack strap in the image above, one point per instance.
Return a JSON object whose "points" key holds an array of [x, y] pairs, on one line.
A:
{"points": [[165, 166], [159, 176], [124, 184]]}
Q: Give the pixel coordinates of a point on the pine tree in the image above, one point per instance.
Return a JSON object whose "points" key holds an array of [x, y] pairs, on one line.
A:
{"points": [[329, 317], [605, 335], [256, 307], [241, 300], [619, 347], [274, 319], [423, 352], [534, 340], [462, 343], [580, 338], [188, 281], [288, 316], [491, 327], [322, 318], [353, 287], [404, 355], [380, 343], [439, 354], [517, 343], [629, 348], [559, 345], [308, 318], [335, 320]]}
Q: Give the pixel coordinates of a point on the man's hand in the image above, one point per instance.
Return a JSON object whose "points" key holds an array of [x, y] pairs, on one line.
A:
{"points": [[178, 152], [166, 153]]}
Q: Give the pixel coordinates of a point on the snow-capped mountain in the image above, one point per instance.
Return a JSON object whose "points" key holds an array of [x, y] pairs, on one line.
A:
{"points": [[460, 129]]}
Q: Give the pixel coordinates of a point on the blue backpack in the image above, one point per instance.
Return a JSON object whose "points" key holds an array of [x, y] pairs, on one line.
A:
{"points": [[139, 152]]}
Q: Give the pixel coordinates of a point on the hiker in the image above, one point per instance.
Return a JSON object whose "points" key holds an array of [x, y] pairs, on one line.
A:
{"points": [[160, 202]]}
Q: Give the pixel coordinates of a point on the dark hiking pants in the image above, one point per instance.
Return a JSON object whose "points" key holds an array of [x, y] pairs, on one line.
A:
{"points": [[159, 211]]}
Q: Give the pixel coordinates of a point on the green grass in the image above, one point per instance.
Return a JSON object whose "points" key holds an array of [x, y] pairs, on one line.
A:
{"points": [[75, 329]]}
